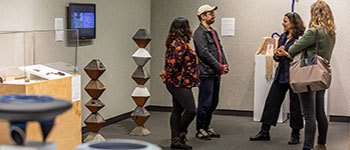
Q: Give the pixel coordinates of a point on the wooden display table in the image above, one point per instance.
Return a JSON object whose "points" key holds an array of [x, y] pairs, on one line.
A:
{"points": [[67, 130]]}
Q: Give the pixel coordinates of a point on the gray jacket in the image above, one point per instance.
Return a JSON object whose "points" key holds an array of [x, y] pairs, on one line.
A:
{"points": [[207, 52]]}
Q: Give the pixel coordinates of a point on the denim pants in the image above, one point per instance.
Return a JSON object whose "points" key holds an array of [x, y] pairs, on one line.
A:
{"points": [[313, 110], [208, 99]]}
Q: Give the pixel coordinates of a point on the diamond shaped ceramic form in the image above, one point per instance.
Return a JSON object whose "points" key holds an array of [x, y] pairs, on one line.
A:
{"points": [[142, 38], [140, 76], [95, 88], [140, 95], [94, 105], [94, 69], [141, 57], [94, 122], [140, 115]]}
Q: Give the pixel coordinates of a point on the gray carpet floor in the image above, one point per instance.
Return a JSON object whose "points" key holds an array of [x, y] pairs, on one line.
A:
{"points": [[235, 133]]}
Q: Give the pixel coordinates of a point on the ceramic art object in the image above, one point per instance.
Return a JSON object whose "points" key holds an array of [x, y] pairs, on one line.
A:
{"points": [[94, 88], [141, 94]]}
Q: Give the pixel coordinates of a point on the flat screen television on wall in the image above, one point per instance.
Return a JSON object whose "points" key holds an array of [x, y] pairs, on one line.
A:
{"points": [[83, 18]]}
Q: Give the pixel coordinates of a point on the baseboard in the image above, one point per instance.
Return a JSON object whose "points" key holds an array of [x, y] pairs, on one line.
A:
{"points": [[339, 118], [110, 121], [159, 108], [245, 113], [217, 112], [229, 112]]}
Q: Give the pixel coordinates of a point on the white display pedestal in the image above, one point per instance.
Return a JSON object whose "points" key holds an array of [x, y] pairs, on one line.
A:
{"points": [[262, 88], [30, 146]]}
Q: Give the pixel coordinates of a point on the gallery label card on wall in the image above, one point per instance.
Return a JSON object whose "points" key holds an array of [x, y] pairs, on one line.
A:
{"points": [[227, 26], [59, 34], [76, 88]]}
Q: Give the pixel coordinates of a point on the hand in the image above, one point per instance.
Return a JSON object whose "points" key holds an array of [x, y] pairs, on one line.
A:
{"points": [[282, 47], [279, 51], [162, 75], [225, 70], [283, 53]]}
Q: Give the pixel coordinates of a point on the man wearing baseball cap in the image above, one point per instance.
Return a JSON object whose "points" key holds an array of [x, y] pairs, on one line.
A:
{"points": [[212, 64]]}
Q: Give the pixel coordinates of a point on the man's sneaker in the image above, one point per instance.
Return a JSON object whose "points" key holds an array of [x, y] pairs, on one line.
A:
{"points": [[212, 133], [202, 134], [307, 148]]}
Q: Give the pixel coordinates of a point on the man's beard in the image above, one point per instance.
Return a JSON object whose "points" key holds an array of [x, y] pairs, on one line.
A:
{"points": [[209, 22]]}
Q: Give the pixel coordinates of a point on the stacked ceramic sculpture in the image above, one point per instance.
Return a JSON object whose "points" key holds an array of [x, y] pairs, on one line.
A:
{"points": [[141, 94], [94, 88]]}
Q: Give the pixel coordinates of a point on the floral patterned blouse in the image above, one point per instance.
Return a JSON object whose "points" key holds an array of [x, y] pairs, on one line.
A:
{"points": [[181, 65]]}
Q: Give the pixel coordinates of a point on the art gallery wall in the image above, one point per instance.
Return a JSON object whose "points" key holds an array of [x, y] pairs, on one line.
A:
{"points": [[117, 22], [254, 20]]}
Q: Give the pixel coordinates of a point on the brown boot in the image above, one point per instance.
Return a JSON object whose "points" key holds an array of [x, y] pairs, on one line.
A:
{"points": [[320, 147], [177, 144], [183, 137]]}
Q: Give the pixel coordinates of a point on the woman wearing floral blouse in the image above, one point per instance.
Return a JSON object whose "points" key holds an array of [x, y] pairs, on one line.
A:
{"points": [[180, 75]]}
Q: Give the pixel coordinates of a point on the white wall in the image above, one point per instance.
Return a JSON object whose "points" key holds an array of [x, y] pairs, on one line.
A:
{"points": [[117, 22], [254, 20]]}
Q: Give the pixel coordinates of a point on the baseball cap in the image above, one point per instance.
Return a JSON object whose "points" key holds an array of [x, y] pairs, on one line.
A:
{"points": [[205, 8]]}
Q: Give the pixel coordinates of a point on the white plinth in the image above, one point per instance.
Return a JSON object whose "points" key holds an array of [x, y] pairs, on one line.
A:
{"points": [[94, 137], [262, 88], [30, 146]]}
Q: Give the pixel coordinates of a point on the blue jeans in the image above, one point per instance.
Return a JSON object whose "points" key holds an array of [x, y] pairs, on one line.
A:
{"points": [[208, 100], [313, 110]]}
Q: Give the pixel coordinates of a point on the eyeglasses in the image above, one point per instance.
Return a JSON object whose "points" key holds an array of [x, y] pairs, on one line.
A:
{"points": [[211, 14]]}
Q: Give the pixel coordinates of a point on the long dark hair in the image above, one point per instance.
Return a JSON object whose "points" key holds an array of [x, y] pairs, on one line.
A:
{"points": [[179, 30], [298, 24]]}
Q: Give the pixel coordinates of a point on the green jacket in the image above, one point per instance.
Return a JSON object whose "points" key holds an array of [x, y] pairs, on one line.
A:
{"points": [[308, 42]]}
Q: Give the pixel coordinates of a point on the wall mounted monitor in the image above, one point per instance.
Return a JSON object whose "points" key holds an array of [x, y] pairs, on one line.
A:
{"points": [[83, 18]]}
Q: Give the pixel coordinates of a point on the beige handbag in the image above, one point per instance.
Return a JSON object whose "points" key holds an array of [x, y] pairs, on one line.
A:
{"points": [[310, 74]]}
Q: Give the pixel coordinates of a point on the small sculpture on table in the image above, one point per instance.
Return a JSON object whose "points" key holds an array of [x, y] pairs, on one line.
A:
{"points": [[267, 47]]}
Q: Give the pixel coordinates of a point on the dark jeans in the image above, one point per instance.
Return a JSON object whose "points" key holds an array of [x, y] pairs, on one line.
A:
{"points": [[184, 109], [313, 109], [274, 102], [208, 100]]}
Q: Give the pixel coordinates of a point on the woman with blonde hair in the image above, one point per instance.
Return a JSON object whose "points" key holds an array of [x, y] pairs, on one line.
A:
{"points": [[322, 25]]}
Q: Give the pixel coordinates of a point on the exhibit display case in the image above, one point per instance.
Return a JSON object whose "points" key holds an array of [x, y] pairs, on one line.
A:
{"points": [[43, 62], [31, 56]]}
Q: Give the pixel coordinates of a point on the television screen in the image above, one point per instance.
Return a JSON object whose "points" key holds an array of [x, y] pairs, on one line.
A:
{"points": [[83, 18]]}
